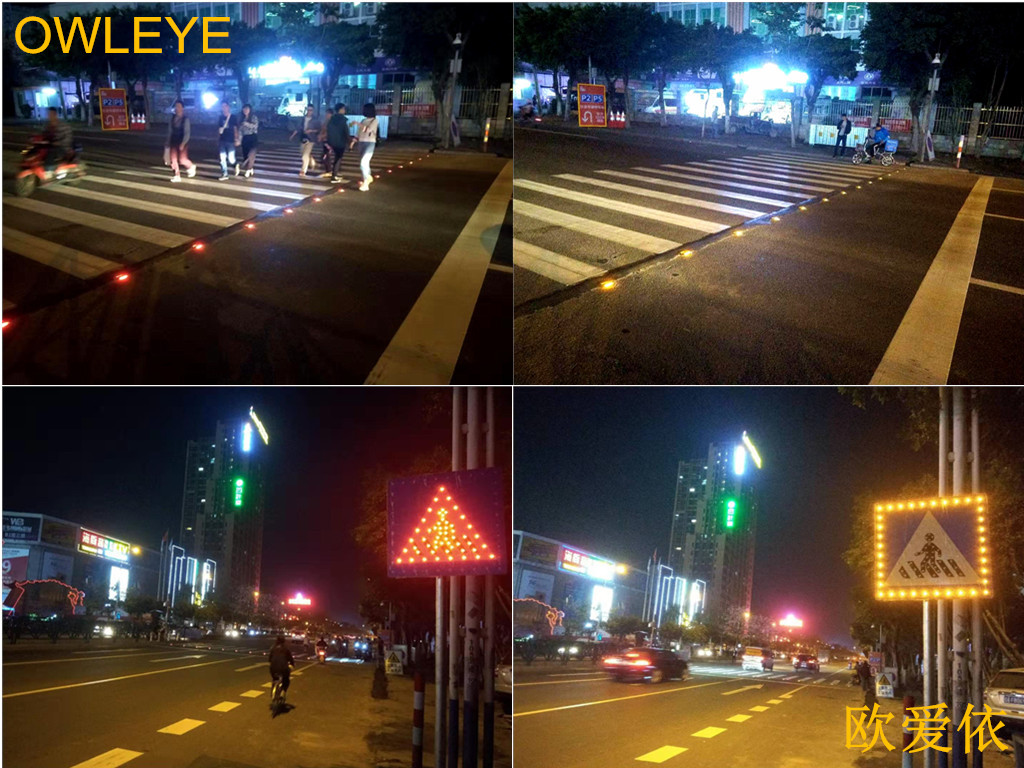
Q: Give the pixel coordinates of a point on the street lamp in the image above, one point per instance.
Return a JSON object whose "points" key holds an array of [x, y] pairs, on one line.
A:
{"points": [[933, 86], [454, 67]]}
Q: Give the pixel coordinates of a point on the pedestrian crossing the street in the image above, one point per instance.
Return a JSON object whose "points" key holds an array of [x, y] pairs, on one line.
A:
{"points": [[121, 214], [572, 227]]}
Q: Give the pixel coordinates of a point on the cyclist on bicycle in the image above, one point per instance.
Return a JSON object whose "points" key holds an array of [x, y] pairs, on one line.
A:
{"points": [[281, 662], [881, 136]]}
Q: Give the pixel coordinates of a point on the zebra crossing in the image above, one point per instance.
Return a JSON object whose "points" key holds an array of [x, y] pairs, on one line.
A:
{"points": [[570, 227], [726, 670], [120, 214]]}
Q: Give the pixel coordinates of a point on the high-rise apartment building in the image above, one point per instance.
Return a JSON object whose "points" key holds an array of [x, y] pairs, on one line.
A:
{"points": [[714, 524], [223, 503]]}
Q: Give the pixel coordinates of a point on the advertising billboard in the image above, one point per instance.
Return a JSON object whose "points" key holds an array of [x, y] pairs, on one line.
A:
{"points": [[22, 528], [59, 534], [536, 585], [539, 551], [97, 544], [57, 566], [447, 524], [575, 561], [15, 564], [118, 583]]}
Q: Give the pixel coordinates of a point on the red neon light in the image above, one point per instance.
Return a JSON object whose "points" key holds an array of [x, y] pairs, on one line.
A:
{"points": [[553, 615], [75, 596]]}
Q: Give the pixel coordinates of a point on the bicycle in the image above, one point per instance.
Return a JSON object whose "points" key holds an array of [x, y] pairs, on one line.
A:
{"points": [[884, 155], [277, 695]]}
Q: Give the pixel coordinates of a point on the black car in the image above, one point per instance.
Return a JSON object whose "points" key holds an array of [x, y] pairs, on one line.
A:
{"points": [[806, 661], [646, 664]]}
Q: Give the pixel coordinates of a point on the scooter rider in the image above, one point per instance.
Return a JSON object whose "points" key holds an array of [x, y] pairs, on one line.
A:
{"points": [[59, 141], [321, 646], [881, 136]]}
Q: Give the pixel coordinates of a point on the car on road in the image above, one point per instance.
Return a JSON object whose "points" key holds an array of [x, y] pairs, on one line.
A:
{"points": [[806, 661], [758, 658], [1005, 692], [646, 664]]}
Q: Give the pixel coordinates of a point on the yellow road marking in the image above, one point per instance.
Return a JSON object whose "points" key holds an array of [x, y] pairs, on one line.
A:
{"points": [[617, 698], [113, 679], [661, 754], [111, 759], [774, 701], [708, 733], [795, 690], [759, 708], [225, 706], [738, 718], [252, 694], [182, 726]]}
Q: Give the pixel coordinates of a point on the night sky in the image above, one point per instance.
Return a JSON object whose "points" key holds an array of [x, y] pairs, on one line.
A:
{"points": [[114, 460], [596, 468]]}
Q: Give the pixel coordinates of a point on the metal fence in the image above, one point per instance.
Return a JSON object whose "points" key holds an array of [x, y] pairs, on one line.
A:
{"points": [[951, 121], [1007, 122]]}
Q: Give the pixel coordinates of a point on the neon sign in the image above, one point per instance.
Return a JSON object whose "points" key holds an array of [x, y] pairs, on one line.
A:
{"points": [[791, 621], [730, 513], [299, 600], [239, 488], [575, 561], [102, 546], [247, 437], [259, 426]]}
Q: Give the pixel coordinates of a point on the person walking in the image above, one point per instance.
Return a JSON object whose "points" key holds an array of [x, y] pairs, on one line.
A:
{"points": [[227, 140], [248, 129], [714, 122], [179, 131], [366, 138], [310, 130], [337, 139], [843, 127], [326, 158]]}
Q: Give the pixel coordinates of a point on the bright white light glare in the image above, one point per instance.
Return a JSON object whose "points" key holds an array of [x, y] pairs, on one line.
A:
{"points": [[600, 603], [770, 77], [739, 460], [753, 451], [209, 99], [247, 437], [48, 91], [520, 84], [285, 69]]}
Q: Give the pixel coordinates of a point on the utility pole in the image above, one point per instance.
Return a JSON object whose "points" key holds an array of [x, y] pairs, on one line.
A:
{"points": [[454, 67], [961, 626]]}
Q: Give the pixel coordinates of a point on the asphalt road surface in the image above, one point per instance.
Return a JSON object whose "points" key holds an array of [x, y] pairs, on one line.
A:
{"points": [[639, 260], [273, 279], [574, 717], [157, 706]]}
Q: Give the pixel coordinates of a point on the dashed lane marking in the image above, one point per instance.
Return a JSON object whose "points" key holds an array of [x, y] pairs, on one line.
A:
{"points": [[251, 666], [997, 286], [182, 726], [759, 708], [774, 701], [225, 706], [708, 733], [661, 754], [738, 718], [111, 759], [921, 351], [254, 694]]}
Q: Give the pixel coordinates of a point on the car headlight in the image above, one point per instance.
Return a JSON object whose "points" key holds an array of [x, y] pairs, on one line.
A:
{"points": [[108, 632]]}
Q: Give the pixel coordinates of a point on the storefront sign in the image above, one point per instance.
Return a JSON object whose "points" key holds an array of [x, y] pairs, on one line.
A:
{"points": [[102, 546], [22, 528], [539, 551], [59, 534], [15, 564], [539, 586], [574, 561]]}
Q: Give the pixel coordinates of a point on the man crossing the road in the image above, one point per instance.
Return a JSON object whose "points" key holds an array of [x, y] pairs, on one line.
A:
{"points": [[228, 139], [178, 134], [310, 130]]}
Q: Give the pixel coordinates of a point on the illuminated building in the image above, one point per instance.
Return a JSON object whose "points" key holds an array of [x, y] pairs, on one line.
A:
{"points": [[714, 522], [223, 503], [844, 20]]}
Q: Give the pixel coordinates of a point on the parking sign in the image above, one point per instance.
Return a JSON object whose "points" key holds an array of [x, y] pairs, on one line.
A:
{"points": [[113, 109], [593, 106]]}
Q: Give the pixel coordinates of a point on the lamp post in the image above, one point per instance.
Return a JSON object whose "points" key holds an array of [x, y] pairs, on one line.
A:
{"points": [[933, 86], [454, 67]]}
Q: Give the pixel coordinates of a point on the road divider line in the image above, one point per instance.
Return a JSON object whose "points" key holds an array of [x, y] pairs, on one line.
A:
{"points": [[225, 706], [60, 257], [744, 688], [112, 679], [759, 708], [611, 701], [997, 286], [774, 701], [114, 650], [505, 268], [661, 754], [640, 211], [553, 266], [1001, 216], [111, 759], [738, 718], [921, 351], [708, 733], [426, 347], [598, 229], [98, 658], [251, 666], [692, 202], [792, 693], [182, 726], [561, 682], [178, 658]]}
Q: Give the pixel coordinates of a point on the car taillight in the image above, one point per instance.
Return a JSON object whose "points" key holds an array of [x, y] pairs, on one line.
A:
{"points": [[610, 662], [641, 662]]}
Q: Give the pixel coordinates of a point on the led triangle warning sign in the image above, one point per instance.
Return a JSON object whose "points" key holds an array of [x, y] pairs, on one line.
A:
{"points": [[931, 559], [444, 534]]}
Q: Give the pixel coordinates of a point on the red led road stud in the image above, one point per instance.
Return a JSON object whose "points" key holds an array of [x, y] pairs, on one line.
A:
{"points": [[122, 277], [198, 246], [250, 225], [5, 323]]}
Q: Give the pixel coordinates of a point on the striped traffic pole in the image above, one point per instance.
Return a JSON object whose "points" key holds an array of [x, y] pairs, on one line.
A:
{"points": [[487, 134], [417, 721], [908, 758], [959, 150]]}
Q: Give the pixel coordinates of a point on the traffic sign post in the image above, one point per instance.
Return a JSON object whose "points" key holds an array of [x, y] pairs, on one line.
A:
{"points": [[113, 109], [593, 105]]}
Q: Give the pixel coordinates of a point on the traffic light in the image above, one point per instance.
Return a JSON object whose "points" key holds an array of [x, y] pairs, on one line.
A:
{"points": [[730, 513]]}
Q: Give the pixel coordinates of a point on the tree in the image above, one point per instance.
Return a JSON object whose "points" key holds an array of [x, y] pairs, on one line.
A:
{"points": [[620, 42], [718, 50], [620, 625], [822, 57], [669, 52], [250, 47]]}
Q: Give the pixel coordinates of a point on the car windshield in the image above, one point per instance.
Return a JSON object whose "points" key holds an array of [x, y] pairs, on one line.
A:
{"points": [[1008, 679]]}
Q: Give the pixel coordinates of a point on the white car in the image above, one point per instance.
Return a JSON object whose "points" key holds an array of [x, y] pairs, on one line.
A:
{"points": [[1005, 693]]}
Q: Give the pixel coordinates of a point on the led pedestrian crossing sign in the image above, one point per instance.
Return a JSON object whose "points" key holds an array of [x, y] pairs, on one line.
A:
{"points": [[929, 548], [446, 524], [239, 488]]}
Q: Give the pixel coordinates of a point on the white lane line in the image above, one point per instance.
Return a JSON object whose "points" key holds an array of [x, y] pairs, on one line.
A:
{"points": [[61, 257], [175, 211], [249, 187], [112, 679], [150, 235], [182, 726], [111, 759], [612, 700], [225, 706], [609, 232], [228, 202], [795, 171], [998, 286], [500, 268], [661, 754], [853, 171], [708, 733], [251, 666], [97, 658], [921, 351], [1000, 216], [116, 650], [692, 202], [738, 718], [737, 184], [696, 188], [551, 265], [775, 179], [178, 658], [643, 212], [254, 694], [426, 347], [560, 682]]}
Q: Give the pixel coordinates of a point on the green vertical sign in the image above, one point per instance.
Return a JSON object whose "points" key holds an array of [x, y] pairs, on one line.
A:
{"points": [[239, 487], [730, 513]]}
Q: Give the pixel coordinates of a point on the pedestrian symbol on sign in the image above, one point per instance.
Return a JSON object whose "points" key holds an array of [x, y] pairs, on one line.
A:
{"points": [[931, 558]]}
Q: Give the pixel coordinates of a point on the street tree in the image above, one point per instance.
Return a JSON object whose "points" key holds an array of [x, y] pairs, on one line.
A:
{"points": [[621, 44], [184, 64], [135, 69], [620, 625], [719, 51], [670, 52], [822, 57], [250, 47]]}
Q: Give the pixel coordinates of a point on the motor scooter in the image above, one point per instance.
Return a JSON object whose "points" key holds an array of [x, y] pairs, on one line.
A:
{"points": [[33, 172]]}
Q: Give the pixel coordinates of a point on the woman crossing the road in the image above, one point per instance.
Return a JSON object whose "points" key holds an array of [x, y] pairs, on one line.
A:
{"points": [[326, 155], [248, 128], [366, 138], [176, 150]]}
